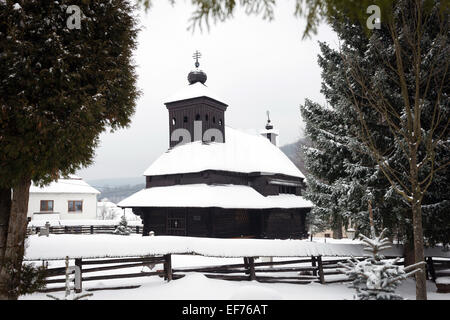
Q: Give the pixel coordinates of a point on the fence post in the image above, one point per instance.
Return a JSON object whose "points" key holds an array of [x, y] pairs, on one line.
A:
{"points": [[431, 270], [79, 264], [168, 267], [320, 265], [314, 265], [251, 266]]}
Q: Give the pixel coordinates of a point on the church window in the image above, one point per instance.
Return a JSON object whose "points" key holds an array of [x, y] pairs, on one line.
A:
{"points": [[174, 121], [214, 119], [185, 119], [206, 117], [197, 117]]}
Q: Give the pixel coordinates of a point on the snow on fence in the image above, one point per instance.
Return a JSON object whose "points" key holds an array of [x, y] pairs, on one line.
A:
{"points": [[84, 229], [57, 247], [118, 252]]}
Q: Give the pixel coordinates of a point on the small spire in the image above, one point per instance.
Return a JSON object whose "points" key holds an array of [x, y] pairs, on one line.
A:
{"points": [[268, 125], [197, 75], [197, 55]]}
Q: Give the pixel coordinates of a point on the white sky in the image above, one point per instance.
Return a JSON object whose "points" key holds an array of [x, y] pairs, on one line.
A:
{"points": [[255, 65]]}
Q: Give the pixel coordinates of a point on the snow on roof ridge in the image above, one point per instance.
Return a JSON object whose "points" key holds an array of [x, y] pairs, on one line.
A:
{"points": [[241, 152], [64, 185], [215, 195]]}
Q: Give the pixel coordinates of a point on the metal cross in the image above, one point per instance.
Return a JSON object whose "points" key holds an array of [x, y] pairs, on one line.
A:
{"points": [[197, 55]]}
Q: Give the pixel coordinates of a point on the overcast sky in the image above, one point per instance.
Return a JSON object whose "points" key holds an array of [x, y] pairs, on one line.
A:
{"points": [[255, 65]]}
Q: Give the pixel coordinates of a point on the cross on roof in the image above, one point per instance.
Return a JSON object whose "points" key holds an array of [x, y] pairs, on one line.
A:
{"points": [[197, 55]]}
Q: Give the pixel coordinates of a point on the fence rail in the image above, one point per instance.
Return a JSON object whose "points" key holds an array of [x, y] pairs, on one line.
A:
{"points": [[296, 271], [83, 229]]}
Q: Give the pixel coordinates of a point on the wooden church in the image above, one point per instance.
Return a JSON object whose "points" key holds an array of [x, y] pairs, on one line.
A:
{"points": [[216, 181]]}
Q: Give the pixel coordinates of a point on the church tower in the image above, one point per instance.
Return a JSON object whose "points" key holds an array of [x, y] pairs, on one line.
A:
{"points": [[195, 112]]}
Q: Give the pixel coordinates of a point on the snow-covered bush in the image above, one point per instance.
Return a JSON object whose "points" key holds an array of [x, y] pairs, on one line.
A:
{"points": [[123, 228], [376, 278]]}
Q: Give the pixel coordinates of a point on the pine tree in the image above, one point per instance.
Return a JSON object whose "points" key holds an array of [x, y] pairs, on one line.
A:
{"points": [[123, 228], [347, 175], [376, 278], [60, 88]]}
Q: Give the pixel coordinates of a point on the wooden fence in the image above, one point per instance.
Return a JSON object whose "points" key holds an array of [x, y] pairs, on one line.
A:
{"points": [[95, 229], [437, 267], [299, 271], [112, 264]]}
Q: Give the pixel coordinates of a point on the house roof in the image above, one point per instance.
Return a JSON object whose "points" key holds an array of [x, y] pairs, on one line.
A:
{"points": [[203, 196], [241, 152], [71, 185]]}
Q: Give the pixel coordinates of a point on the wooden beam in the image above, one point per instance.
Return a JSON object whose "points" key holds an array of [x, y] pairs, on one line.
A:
{"points": [[320, 266]]}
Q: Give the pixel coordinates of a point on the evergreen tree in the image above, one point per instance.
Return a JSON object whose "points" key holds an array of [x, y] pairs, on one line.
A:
{"points": [[61, 86], [123, 229], [376, 278], [346, 175]]}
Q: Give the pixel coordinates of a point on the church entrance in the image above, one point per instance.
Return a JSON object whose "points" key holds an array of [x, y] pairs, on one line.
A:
{"points": [[176, 222]]}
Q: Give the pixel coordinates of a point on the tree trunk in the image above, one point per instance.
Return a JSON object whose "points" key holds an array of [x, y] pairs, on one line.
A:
{"points": [[15, 242], [337, 230], [421, 284], [5, 208]]}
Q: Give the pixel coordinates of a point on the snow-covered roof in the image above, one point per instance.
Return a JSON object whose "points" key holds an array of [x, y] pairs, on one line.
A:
{"points": [[203, 195], [71, 185], [195, 90], [241, 152]]}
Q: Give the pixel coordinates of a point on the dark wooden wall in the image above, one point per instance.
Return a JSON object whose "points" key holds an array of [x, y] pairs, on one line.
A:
{"points": [[257, 181], [226, 223], [211, 112]]}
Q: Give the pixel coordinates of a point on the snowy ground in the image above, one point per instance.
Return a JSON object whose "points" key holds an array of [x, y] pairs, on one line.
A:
{"points": [[195, 286]]}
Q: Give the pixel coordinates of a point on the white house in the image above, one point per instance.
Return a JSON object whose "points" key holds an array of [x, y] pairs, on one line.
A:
{"points": [[68, 198]]}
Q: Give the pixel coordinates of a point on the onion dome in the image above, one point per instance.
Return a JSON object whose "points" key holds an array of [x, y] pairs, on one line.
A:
{"points": [[197, 75]]}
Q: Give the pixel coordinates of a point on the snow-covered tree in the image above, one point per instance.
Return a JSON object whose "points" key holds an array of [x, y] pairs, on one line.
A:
{"points": [[376, 278], [62, 84], [348, 173], [123, 228]]}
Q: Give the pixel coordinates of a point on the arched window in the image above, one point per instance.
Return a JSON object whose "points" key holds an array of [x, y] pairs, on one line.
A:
{"points": [[206, 117], [185, 119], [197, 117], [214, 119], [174, 121]]}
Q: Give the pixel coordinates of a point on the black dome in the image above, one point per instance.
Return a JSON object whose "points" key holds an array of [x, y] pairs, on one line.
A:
{"points": [[197, 76]]}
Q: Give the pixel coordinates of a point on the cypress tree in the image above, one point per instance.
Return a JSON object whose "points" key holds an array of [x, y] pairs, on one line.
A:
{"points": [[62, 84]]}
